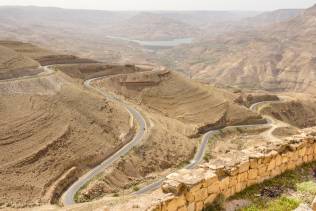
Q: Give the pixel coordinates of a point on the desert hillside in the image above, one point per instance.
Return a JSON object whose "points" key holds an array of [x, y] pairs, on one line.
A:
{"points": [[55, 128], [277, 58], [174, 96]]}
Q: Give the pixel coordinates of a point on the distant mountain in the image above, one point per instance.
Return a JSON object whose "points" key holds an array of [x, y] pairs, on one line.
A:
{"points": [[154, 26], [273, 17], [279, 57]]}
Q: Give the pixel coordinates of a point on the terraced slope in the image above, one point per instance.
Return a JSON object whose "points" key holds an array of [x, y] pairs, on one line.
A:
{"points": [[10, 59], [174, 96], [50, 126]]}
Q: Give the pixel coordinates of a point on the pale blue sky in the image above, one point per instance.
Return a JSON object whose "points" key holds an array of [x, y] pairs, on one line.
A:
{"points": [[167, 4]]}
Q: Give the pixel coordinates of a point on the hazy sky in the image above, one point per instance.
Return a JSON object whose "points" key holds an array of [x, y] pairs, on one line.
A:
{"points": [[167, 4]]}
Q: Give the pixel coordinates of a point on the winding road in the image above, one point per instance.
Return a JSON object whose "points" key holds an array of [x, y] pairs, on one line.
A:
{"points": [[69, 195], [199, 155]]}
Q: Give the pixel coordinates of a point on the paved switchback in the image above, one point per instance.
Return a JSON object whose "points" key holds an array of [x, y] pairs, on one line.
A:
{"points": [[199, 155], [69, 195]]}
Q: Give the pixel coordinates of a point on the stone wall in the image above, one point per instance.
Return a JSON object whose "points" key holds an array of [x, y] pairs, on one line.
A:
{"points": [[190, 190]]}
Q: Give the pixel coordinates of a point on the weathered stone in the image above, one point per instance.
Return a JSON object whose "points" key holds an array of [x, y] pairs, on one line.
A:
{"points": [[231, 171], [200, 195], [285, 158], [214, 188], [243, 167], [242, 177], [253, 163], [189, 197], [172, 186], [252, 174], [251, 182], [176, 203], [232, 181], [310, 158], [210, 178], [184, 208], [191, 207], [224, 183], [210, 199], [271, 164], [199, 206], [278, 160], [240, 186], [262, 170], [302, 152]]}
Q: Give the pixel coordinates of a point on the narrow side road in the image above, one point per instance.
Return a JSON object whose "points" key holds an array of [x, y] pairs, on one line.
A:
{"points": [[68, 196]]}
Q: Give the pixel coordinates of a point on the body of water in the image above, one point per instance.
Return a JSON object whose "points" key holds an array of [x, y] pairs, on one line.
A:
{"points": [[159, 43]]}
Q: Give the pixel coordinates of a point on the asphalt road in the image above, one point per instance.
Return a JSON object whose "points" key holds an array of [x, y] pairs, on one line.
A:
{"points": [[199, 155], [68, 196]]}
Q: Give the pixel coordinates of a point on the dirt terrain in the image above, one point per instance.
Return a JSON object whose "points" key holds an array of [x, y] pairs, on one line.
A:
{"points": [[174, 96], [188, 109], [53, 126], [88, 71], [300, 113]]}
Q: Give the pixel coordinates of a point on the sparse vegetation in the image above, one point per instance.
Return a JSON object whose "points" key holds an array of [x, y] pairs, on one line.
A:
{"points": [[307, 187], [280, 204], [298, 180]]}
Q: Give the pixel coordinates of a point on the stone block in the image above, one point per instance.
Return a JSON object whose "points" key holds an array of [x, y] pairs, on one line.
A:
{"points": [[200, 195], [285, 158], [210, 199], [175, 203], [233, 181], [243, 167], [210, 178], [271, 164], [191, 206], [278, 160], [262, 170], [242, 177], [253, 163], [214, 188], [252, 174], [224, 183], [172, 186], [199, 206], [302, 152], [251, 182], [184, 208], [189, 196], [310, 158]]}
